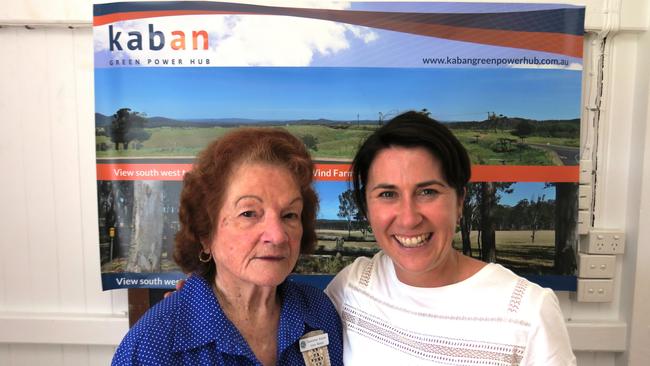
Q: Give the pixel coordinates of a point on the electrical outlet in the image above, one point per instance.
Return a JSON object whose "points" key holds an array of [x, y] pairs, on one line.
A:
{"points": [[586, 169], [584, 222], [602, 241], [584, 197], [596, 265], [595, 290]]}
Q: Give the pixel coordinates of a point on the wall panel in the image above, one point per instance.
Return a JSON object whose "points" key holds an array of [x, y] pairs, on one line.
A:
{"points": [[34, 86], [595, 359], [50, 262], [64, 125], [45, 10], [14, 225], [27, 355], [77, 355], [100, 355], [4, 354], [96, 301]]}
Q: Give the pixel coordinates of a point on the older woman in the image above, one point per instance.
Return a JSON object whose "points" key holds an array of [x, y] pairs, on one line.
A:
{"points": [[419, 301], [247, 211]]}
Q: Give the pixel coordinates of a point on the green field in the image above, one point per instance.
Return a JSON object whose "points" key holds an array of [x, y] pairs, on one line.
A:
{"points": [[514, 250], [340, 142], [164, 142], [484, 148]]}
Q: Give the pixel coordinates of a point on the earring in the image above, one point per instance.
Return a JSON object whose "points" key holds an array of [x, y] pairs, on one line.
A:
{"points": [[204, 259]]}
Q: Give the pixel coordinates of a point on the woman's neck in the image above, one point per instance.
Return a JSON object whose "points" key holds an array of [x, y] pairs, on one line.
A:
{"points": [[454, 268], [246, 297], [255, 312]]}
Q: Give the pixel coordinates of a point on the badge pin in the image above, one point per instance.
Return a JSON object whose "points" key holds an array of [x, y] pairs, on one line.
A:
{"points": [[313, 346]]}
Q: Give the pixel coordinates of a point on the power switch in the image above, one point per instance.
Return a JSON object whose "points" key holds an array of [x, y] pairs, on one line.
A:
{"points": [[596, 266], [586, 171], [584, 197]]}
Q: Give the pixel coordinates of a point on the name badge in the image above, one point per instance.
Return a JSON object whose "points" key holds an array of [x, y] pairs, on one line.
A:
{"points": [[313, 346], [307, 343]]}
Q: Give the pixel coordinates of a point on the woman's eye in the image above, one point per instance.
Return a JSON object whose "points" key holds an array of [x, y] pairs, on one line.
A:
{"points": [[291, 216], [387, 194], [428, 192], [247, 214]]}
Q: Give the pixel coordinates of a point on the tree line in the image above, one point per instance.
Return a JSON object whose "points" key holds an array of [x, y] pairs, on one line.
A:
{"points": [[483, 213]]}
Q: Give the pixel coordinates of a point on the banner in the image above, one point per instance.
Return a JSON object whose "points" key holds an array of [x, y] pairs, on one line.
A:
{"points": [[505, 78]]}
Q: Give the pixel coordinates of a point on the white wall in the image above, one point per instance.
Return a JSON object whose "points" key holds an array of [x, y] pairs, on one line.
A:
{"points": [[635, 292], [50, 289], [52, 309]]}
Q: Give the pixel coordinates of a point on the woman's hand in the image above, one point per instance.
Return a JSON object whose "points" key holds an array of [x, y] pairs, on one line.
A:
{"points": [[179, 285]]}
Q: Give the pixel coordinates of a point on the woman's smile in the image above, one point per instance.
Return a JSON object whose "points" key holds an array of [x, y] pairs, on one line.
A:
{"points": [[412, 241]]}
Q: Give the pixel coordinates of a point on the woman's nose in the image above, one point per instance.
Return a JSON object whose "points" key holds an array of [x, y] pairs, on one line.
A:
{"points": [[274, 230], [409, 215]]}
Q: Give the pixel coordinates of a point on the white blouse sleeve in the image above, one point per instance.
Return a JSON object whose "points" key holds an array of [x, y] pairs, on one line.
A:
{"points": [[548, 343]]}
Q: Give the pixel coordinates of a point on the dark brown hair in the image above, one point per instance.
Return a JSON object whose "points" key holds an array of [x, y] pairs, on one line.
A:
{"points": [[205, 185], [412, 129]]}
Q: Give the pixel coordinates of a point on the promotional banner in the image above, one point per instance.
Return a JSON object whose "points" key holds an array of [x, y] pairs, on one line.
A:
{"points": [[505, 78]]}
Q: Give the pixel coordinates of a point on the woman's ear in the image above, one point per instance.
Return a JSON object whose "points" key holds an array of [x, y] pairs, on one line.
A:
{"points": [[205, 245], [461, 201]]}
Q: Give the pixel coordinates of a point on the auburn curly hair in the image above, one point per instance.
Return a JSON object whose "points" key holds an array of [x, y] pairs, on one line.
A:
{"points": [[205, 185]]}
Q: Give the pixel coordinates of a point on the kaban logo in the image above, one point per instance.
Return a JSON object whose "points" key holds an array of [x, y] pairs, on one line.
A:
{"points": [[157, 40]]}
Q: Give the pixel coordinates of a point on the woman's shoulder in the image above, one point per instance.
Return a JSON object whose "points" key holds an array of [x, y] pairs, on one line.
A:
{"points": [[496, 273], [152, 336], [313, 307], [160, 315], [358, 274], [309, 295], [523, 295], [359, 271], [168, 310]]}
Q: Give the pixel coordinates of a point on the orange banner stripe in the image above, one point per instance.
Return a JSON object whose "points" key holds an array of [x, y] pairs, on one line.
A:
{"points": [[514, 173], [142, 171], [332, 172], [341, 172]]}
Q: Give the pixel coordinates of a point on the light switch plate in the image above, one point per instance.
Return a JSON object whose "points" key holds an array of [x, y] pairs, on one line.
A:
{"points": [[586, 170], [584, 222], [590, 290], [584, 197], [596, 265]]}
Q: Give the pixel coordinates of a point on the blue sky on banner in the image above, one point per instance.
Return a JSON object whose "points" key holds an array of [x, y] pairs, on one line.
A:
{"points": [[338, 93]]}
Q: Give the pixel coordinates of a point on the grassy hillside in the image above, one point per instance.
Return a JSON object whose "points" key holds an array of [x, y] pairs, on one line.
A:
{"points": [[340, 142]]}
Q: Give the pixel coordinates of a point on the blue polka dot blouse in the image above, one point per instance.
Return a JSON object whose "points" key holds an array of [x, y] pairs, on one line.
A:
{"points": [[190, 328]]}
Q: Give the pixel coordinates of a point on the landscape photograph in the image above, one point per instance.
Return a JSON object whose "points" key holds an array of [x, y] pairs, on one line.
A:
{"points": [[498, 114], [519, 225], [503, 117], [525, 228]]}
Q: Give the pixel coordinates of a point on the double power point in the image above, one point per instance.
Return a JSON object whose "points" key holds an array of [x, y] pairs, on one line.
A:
{"points": [[603, 242]]}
